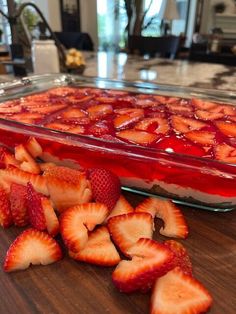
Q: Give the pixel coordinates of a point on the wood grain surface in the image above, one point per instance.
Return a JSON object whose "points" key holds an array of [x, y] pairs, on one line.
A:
{"points": [[72, 287]]}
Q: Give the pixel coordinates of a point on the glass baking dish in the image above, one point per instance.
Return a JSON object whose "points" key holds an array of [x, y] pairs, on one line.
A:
{"points": [[196, 181]]}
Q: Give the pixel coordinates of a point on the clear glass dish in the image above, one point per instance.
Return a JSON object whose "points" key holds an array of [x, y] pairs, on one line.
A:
{"points": [[196, 181]]}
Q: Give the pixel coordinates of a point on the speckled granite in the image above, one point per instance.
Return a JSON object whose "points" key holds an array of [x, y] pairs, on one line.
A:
{"points": [[162, 71]]}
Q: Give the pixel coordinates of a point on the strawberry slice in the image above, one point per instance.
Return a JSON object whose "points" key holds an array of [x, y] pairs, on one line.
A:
{"points": [[153, 125], [174, 222], [181, 258], [26, 117], [62, 91], [52, 223], [127, 116], [203, 105], [78, 129], [35, 209], [132, 112], [5, 210], [9, 159], [226, 153], [58, 126], [178, 292], [18, 201], [67, 187], [76, 221], [33, 147], [208, 115], [177, 108], [99, 250], [227, 127], [27, 163], [182, 124], [226, 110], [73, 113], [47, 109], [98, 111], [105, 185], [201, 137], [14, 175], [127, 229], [137, 137], [150, 260], [122, 207], [31, 247]]}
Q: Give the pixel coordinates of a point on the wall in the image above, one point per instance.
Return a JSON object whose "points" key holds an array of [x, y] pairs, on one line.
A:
{"points": [[51, 11], [88, 16]]}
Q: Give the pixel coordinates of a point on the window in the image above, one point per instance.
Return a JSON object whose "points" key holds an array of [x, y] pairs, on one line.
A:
{"points": [[4, 25]]}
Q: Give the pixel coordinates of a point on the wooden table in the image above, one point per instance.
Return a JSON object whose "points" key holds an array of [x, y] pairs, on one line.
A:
{"points": [[72, 287]]}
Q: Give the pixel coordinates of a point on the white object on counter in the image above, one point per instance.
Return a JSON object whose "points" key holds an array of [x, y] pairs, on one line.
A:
{"points": [[45, 57]]}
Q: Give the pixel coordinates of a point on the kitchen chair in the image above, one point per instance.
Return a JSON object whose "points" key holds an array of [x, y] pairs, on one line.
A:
{"points": [[164, 46]]}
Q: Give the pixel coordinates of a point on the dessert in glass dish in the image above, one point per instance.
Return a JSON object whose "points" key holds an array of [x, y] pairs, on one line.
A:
{"points": [[166, 141]]}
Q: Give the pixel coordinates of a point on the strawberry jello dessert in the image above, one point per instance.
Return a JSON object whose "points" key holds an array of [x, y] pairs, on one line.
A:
{"points": [[175, 147]]}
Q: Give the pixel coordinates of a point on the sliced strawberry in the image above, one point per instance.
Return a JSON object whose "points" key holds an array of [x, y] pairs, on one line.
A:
{"points": [[225, 153], [182, 125], [5, 210], [122, 207], [127, 229], [203, 105], [73, 113], [98, 111], [26, 117], [99, 128], [76, 221], [15, 175], [33, 147], [161, 99], [201, 137], [208, 115], [105, 100], [46, 165], [174, 222], [99, 249], [18, 200], [11, 109], [181, 258], [124, 120], [137, 137], [58, 126], [153, 125], [106, 187], [150, 260], [67, 187], [31, 247], [226, 127], [27, 163], [131, 112], [47, 109], [35, 209], [226, 110], [62, 91], [144, 103], [78, 129], [9, 159], [177, 108], [178, 292], [52, 223]]}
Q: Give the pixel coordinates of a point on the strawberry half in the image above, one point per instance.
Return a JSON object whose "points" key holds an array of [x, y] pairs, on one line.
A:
{"points": [[127, 229], [33, 147], [18, 200], [177, 292], [226, 153], [76, 221], [174, 221], [35, 209], [122, 207], [99, 249], [67, 187], [27, 162], [150, 260], [181, 257], [106, 187], [31, 247], [5, 211], [52, 222]]}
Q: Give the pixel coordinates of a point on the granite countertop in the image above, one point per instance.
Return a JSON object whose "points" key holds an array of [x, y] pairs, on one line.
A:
{"points": [[163, 71]]}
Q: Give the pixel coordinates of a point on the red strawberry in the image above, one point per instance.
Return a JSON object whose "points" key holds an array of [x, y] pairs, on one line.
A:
{"points": [[201, 137], [5, 211], [208, 115], [47, 108], [73, 113], [122, 207], [203, 105], [76, 221], [15, 175], [52, 223], [177, 292], [35, 209], [225, 153], [8, 159], [99, 249], [58, 126], [127, 229], [182, 124], [181, 257], [105, 186], [150, 260], [31, 247], [33, 147], [98, 111], [137, 137], [67, 187], [226, 127], [174, 222], [27, 163], [155, 125], [18, 200]]}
